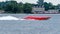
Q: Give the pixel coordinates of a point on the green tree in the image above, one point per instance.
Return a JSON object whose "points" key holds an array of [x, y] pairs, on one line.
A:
{"points": [[2, 5], [27, 8], [40, 2], [58, 6], [46, 5], [20, 7], [49, 6], [11, 7]]}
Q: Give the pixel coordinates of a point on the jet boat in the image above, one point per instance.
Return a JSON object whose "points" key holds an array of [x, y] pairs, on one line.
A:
{"points": [[37, 17]]}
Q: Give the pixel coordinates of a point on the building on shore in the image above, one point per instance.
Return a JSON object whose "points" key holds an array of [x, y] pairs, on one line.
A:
{"points": [[53, 11], [40, 9]]}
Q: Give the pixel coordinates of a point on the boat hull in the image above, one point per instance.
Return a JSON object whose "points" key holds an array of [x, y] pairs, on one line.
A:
{"points": [[37, 18]]}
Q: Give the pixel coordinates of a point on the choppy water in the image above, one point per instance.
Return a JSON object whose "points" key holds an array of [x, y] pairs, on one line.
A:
{"points": [[51, 26]]}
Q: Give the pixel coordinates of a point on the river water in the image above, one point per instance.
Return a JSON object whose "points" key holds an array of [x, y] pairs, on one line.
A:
{"points": [[51, 26]]}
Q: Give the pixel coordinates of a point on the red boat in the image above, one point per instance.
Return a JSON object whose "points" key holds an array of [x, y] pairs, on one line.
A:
{"points": [[37, 17]]}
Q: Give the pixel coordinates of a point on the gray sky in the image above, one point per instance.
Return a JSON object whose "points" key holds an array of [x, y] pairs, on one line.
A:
{"points": [[55, 2]]}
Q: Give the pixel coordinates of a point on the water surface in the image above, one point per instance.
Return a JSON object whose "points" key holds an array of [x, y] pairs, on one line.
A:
{"points": [[51, 26]]}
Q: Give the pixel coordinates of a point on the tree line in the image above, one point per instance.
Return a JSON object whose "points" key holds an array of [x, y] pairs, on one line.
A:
{"points": [[14, 7]]}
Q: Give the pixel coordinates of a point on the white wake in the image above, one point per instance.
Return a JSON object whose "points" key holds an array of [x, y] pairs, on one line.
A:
{"points": [[8, 18]]}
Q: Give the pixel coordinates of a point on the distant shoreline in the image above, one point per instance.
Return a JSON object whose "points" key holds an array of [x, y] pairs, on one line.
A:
{"points": [[20, 13]]}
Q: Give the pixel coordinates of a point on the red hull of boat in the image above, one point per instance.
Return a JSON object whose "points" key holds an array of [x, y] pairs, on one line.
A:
{"points": [[37, 18]]}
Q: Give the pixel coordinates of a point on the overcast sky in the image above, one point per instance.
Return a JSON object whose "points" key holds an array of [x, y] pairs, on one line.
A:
{"points": [[55, 2]]}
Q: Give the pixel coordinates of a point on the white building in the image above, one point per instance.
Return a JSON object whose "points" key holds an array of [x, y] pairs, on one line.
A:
{"points": [[41, 10], [38, 9], [53, 11]]}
